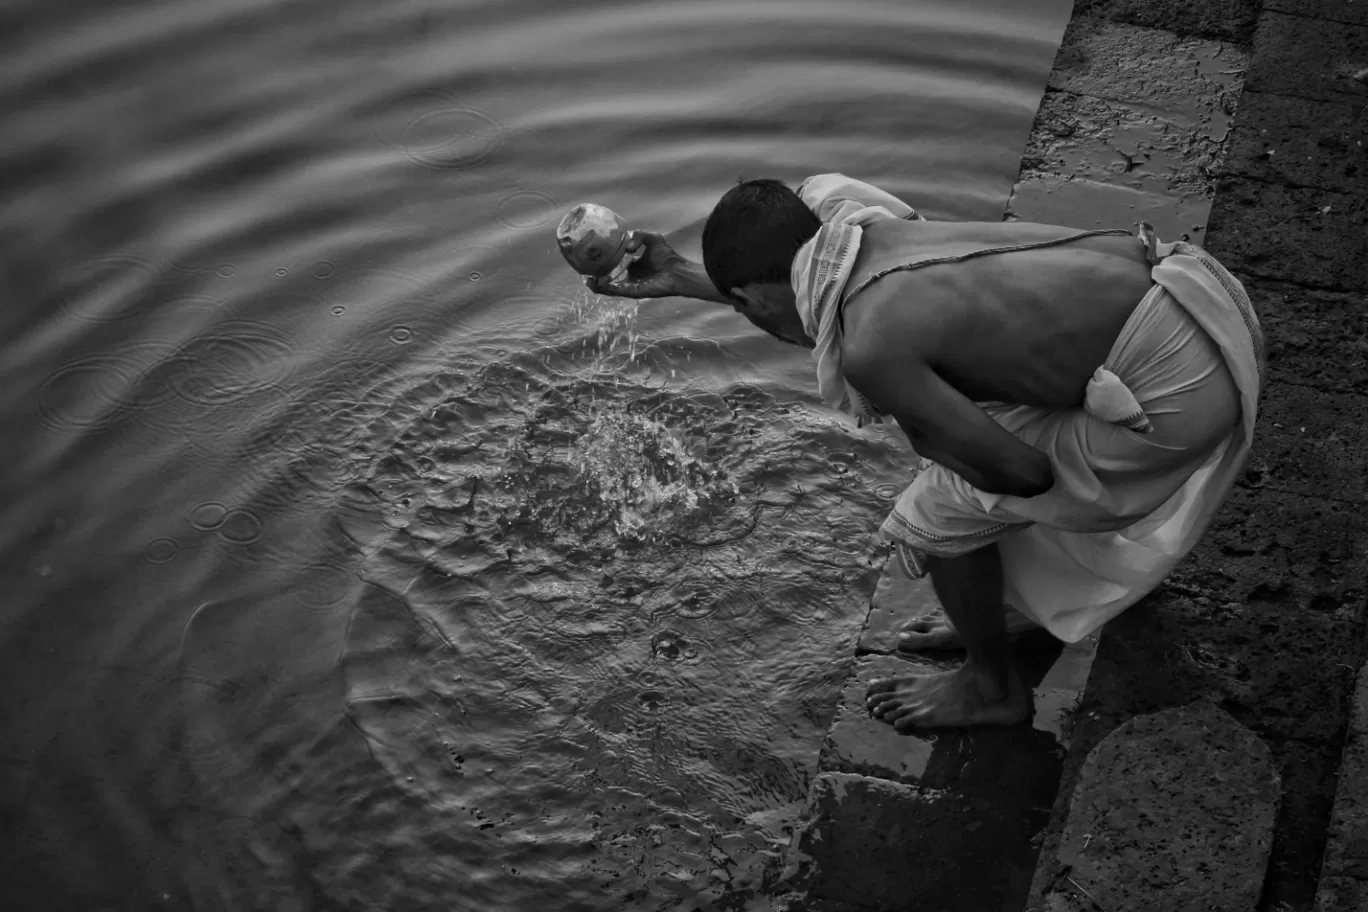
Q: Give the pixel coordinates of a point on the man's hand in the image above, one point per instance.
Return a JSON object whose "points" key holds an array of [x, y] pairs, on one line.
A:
{"points": [[947, 427], [655, 275]]}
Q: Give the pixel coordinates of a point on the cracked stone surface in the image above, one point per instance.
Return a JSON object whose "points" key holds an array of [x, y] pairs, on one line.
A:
{"points": [[1174, 810]]}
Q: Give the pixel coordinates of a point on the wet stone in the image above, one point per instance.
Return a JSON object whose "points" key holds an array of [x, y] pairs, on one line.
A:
{"points": [[1190, 79], [1346, 849], [1173, 811], [1300, 142], [1088, 205], [1130, 145], [867, 842], [1311, 237], [1308, 58], [898, 598], [859, 743]]}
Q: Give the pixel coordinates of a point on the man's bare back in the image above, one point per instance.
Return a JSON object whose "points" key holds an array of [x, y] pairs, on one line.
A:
{"points": [[1026, 327]]}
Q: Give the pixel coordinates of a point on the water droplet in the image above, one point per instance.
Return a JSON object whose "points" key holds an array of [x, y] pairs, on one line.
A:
{"points": [[476, 276], [338, 310], [401, 334], [321, 269], [282, 271], [226, 271]]}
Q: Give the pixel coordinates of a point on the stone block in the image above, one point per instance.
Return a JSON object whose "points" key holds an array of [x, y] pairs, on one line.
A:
{"points": [[1189, 79], [1291, 553], [1284, 673], [1306, 57], [1227, 20], [879, 845], [1311, 442], [898, 598], [1129, 145], [1352, 11], [859, 743], [1346, 848], [1342, 894], [1087, 205], [1173, 811], [1308, 790], [1312, 237], [1313, 338], [1299, 142]]}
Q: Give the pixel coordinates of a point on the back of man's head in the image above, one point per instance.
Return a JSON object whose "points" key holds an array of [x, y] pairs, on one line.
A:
{"points": [[753, 233]]}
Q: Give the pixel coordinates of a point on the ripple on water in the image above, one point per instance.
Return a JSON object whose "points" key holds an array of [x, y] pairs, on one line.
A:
{"points": [[231, 361], [542, 507]]}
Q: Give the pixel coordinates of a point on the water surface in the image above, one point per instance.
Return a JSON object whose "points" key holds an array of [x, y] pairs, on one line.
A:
{"points": [[355, 556]]}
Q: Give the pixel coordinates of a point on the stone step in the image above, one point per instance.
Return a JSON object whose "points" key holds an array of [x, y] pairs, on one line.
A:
{"points": [[1174, 810]]}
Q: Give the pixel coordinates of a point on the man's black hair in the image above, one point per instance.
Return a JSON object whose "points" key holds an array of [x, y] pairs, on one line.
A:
{"points": [[753, 233]]}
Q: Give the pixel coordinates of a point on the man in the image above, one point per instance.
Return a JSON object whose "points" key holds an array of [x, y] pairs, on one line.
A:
{"points": [[1082, 402]]}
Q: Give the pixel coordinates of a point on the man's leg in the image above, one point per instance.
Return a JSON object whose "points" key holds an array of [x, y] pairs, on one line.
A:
{"points": [[986, 689]]}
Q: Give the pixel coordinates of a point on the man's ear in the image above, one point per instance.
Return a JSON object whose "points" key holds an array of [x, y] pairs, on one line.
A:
{"points": [[746, 295]]}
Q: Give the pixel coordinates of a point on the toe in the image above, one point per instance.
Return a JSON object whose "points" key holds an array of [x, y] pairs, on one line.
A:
{"points": [[881, 685]]}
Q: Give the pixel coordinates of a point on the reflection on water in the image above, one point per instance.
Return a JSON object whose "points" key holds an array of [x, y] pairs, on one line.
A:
{"points": [[354, 556]]}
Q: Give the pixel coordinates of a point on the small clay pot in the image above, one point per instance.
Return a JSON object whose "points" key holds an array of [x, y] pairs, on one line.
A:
{"points": [[592, 239]]}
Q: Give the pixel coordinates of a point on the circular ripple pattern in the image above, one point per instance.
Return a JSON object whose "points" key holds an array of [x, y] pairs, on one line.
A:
{"points": [[240, 527], [207, 516], [528, 210], [444, 133], [232, 361], [95, 390], [161, 551], [103, 288]]}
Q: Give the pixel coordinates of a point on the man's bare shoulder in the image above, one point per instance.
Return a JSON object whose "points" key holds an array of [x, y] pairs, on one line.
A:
{"points": [[890, 320]]}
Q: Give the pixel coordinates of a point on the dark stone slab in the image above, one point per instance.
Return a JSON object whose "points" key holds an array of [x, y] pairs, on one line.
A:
{"points": [[1308, 781], [1313, 338], [1227, 20], [1346, 849], [1312, 442], [1308, 58], [1299, 555], [878, 845], [1300, 142], [1173, 811], [1342, 894], [1316, 238], [1354, 11]]}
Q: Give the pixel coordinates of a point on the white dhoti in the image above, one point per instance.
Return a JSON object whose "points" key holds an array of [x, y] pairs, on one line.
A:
{"points": [[1125, 507]]}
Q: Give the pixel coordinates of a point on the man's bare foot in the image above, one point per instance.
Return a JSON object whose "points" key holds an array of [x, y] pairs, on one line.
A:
{"points": [[934, 631], [963, 697]]}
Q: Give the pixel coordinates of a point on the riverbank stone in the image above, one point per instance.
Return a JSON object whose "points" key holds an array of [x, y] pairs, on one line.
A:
{"points": [[1173, 810], [1316, 339], [1227, 20], [1351, 11], [1300, 142], [1346, 848], [1316, 238], [1309, 58]]}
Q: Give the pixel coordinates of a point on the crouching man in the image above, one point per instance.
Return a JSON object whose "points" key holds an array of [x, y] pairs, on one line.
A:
{"points": [[1082, 401]]}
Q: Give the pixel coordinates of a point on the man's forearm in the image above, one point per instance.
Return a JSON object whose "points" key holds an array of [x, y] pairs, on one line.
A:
{"points": [[692, 282]]}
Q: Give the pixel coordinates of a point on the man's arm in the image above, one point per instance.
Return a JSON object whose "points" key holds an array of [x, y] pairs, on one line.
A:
{"points": [[946, 427]]}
